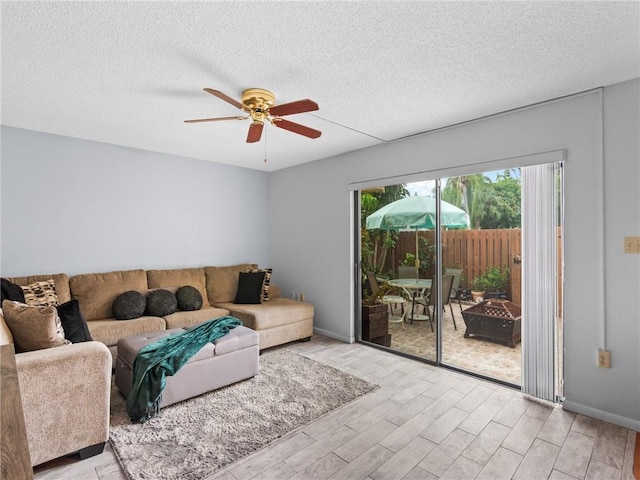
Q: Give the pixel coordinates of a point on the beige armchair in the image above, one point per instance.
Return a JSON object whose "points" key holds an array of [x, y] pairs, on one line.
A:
{"points": [[65, 394]]}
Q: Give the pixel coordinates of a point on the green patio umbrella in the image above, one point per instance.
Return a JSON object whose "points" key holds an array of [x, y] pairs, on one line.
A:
{"points": [[417, 212]]}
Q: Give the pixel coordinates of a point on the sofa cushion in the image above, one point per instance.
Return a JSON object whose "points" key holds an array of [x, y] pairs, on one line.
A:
{"points": [[161, 302], [275, 312], [41, 294], [110, 330], [195, 317], [249, 287], [129, 305], [222, 282], [179, 277], [191, 318], [60, 280], [97, 291], [189, 298], [33, 328], [73, 323]]}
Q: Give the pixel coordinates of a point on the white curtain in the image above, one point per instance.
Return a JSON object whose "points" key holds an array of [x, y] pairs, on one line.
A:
{"points": [[539, 279]]}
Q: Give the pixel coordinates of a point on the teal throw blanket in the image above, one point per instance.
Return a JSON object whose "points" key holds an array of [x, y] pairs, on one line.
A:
{"points": [[165, 357]]}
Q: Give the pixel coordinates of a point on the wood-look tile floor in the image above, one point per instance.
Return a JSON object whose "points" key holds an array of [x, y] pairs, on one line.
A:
{"points": [[422, 423]]}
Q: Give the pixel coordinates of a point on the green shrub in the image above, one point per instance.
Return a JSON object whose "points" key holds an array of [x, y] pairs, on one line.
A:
{"points": [[496, 280]]}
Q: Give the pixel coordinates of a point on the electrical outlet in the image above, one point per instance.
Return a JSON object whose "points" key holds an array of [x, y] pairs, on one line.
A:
{"points": [[631, 244], [604, 359]]}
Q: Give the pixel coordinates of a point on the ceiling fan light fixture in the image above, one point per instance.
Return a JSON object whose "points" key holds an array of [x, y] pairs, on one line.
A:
{"points": [[258, 98], [259, 104]]}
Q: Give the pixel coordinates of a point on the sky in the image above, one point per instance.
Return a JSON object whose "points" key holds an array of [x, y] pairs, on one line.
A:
{"points": [[426, 187], [422, 188]]}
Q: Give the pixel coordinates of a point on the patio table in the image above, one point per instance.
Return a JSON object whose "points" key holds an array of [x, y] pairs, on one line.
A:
{"points": [[412, 287]]}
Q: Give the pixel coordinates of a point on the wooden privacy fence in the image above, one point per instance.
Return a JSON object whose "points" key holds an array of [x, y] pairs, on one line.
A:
{"points": [[474, 251]]}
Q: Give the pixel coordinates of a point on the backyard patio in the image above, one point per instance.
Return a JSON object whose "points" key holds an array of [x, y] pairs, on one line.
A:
{"points": [[478, 355]]}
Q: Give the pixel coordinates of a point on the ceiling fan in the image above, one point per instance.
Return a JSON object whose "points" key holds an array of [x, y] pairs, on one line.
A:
{"points": [[258, 104]]}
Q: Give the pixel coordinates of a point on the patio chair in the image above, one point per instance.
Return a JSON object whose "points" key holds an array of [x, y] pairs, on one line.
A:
{"points": [[390, 300], [430, 301], [455, 287]]}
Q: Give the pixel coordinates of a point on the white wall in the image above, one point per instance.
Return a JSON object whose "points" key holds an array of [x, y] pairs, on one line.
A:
{"points": [[311, 234], [77, 206]]}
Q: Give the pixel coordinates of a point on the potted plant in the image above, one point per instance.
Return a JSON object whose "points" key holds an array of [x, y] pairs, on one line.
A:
{"points": [[496, 281], [478, 288], [375, 316]]}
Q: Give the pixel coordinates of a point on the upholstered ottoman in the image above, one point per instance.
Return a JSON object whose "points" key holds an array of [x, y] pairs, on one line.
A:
{"points": [[227, 360]]}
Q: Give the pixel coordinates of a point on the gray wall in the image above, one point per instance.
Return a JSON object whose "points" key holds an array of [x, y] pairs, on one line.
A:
{"points": [[311, 227], [77, 206]]}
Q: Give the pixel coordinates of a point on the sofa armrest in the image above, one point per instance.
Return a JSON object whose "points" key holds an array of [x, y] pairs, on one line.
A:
{"points": [[274, 291], [65, 395]]}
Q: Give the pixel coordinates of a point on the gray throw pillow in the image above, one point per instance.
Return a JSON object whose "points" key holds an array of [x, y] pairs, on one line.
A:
{"points": [[189, 298], [161, 303], [128, 305]]}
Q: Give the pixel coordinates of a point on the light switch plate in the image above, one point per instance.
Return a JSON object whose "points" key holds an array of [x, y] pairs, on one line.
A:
{"points": [[631, 244]]}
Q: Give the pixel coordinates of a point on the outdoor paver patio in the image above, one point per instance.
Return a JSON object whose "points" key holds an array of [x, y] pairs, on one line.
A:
{"points": [[492, 359]]}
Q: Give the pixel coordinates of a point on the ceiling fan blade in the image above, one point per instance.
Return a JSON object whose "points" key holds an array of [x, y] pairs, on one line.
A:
{"points": [[214, 119], [226, 98], [299, 106], [255, 132], [296, 128]]}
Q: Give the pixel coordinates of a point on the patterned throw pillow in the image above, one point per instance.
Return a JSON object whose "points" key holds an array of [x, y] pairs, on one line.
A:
{"points": [[33, 328], [41, 294], [264, 295]]}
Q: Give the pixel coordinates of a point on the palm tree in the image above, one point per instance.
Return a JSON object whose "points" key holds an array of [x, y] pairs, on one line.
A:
{"points": [[467, 192]]}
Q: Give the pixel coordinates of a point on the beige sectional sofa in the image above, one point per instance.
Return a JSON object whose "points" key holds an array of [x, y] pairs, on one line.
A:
{"points": [[66, 390], [277, 321]]}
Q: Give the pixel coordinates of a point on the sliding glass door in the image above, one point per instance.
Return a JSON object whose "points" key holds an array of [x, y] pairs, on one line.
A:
{"points": [[396, 258], [482, 314], [442, 262]]}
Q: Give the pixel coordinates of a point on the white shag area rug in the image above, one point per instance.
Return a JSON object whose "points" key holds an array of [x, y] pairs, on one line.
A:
{"points": [[193, 439]]}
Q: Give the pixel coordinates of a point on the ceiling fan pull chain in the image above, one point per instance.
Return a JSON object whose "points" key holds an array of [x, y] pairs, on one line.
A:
{"points": [[265, 146]]}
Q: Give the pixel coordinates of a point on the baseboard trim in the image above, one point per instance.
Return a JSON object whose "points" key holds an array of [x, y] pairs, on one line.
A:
{"points": [[602, 415], [328, 333]]}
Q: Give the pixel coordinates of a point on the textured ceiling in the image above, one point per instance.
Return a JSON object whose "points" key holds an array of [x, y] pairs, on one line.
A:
{"points": [[129, 73]]}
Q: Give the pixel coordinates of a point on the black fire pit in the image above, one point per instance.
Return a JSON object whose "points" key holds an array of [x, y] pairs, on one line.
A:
{"points": [[494, 319]]}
